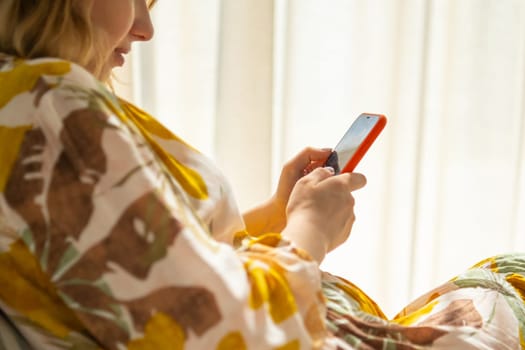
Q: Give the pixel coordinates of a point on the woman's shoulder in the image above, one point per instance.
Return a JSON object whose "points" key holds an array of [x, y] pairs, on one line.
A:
{"points": [[30, 85], [23, 74], [47, 65]]}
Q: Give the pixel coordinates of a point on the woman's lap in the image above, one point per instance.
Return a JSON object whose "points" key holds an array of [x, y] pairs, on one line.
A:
{"points": [[482, 308]]}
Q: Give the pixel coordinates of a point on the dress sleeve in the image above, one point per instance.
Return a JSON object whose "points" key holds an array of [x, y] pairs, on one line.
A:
{"points": [[125, 251]]}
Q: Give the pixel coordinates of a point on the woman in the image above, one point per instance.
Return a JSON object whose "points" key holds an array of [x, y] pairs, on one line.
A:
{"points": [[115, 234]]}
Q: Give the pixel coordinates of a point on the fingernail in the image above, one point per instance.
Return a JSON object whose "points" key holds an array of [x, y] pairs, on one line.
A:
{"points": [[326, 149], [330, 169]]}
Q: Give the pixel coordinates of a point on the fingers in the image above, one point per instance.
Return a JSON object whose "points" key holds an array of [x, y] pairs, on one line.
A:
{"points": [[356, 181], [318, 155], [319, 174], [311, 158], [312, 155]]}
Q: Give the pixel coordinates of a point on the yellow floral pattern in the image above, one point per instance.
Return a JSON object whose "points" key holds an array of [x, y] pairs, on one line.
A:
{"points": [[188, 178], [232, 340], [271, 289], [107, 242], [20, 275], [25, 76], [96, 208], [10, 141], [162, 332]]}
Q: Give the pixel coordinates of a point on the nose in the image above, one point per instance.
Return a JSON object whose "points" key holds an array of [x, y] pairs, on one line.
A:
{"points": [[142, 29]]}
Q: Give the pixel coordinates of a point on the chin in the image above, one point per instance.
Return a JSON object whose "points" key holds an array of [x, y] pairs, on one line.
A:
{"points": [[103, 73]]}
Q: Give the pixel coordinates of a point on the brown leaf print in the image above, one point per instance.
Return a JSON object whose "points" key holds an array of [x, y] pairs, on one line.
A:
{"points": [[26, 184], [193, 308], [460, 312], [421, 335], [40, 88], [107, 331], [74, 178], [138, 240], [374, 335]]}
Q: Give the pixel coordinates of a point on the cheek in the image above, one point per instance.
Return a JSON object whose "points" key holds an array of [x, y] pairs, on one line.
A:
{"points": [[112, 19]]}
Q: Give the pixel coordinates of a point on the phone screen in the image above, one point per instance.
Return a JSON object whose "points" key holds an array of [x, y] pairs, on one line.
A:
{"points": [[355, 142]]}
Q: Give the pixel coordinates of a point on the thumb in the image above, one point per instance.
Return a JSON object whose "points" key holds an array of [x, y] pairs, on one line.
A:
{"points": [[319, 174]]}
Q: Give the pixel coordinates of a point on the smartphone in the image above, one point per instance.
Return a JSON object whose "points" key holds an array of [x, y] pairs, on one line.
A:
{"points": [[355, 142]]}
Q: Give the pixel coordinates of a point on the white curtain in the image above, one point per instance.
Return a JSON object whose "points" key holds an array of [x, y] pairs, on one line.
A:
{"points": [[251, 82]]}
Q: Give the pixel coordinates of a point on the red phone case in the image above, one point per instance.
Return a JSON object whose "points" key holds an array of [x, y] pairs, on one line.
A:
{"points": [[367, 142]]}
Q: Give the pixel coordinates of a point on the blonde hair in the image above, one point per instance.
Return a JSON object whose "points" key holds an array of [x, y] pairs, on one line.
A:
{"points": [[50, 28]]}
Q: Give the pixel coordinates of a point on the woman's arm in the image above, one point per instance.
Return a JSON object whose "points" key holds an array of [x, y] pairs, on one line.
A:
{"points": [[107, 233], [270, 216], [320, 211], [315, 211], [115, 237]]}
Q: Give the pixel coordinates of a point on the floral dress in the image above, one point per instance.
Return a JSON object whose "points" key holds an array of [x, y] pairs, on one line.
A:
{"points": [[116, 234]]}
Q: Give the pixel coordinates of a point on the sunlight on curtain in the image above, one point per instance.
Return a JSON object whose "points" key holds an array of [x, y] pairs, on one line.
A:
{"points": [[250, 83]]}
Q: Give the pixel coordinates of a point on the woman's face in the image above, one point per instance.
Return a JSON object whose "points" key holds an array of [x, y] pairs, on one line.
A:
{"points": [[121, 22]]}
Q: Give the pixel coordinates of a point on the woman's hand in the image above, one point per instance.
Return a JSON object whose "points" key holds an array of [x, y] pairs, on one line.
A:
{"points": [[304, 162], [271, 215], [320, 211]]}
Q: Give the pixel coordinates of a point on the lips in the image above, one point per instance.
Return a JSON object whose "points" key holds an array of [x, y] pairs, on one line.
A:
{"points": [[118, 56], [122, 51]]}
